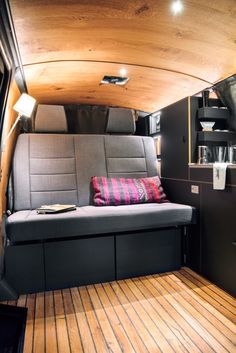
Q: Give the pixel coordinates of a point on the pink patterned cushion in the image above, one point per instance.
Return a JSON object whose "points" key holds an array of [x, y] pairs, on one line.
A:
{"points": [[123, 191]]}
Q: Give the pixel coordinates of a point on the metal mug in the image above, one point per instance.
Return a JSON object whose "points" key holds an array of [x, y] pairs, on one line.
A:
{"points": [[220, 154], [232, 154]]}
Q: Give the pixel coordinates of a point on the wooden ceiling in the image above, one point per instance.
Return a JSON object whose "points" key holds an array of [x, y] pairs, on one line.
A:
{"points": [[67, 46]]}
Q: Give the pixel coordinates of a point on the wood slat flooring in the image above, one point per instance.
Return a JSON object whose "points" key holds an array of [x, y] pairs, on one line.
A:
{"points": [[173, 312]]}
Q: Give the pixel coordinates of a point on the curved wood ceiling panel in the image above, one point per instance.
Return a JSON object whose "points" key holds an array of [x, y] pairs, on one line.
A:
{"points": [[201, 42], [79, 82]]}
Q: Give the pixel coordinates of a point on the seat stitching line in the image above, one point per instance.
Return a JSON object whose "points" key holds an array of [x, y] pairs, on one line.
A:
{"points": [[77, 189], [145, 157], [43, 192]]}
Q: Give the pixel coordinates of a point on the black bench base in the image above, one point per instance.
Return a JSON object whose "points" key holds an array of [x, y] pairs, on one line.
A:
{"points": [[52, 265]]}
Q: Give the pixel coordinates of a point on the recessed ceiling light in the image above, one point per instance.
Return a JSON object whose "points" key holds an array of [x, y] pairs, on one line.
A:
{"points": [[177, 7], [123, 72]]}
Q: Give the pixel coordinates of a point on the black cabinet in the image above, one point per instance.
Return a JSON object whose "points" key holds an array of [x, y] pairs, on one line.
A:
{"points": [[77, 262], [146, 252], [25, 268], [174, 140], [210, 244], [218, 236]]}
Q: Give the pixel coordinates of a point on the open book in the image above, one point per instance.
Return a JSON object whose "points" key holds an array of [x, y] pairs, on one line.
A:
{"points": [[56, 208]]}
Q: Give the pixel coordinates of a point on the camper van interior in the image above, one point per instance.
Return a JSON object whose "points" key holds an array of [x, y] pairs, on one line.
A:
{"points": [[118, 176]]}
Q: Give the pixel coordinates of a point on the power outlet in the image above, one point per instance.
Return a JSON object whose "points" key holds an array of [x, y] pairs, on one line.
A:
{"points": [[194, 189]]}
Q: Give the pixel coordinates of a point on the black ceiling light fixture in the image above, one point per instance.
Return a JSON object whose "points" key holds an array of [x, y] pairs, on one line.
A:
{"points": [[114, 80]]}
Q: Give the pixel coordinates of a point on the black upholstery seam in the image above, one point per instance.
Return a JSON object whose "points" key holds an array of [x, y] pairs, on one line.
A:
{"points": [[13, 168], [44, 265]]}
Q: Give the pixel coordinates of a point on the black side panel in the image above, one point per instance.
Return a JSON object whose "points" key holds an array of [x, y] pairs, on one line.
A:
{"points": [[25, 268], [195, 126], [78, 262], [219, 237], [179, 191], [148, 252], [174, 140]]}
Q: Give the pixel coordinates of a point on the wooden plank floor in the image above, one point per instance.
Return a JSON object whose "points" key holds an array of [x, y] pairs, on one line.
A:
{"points": [[171, 312]]}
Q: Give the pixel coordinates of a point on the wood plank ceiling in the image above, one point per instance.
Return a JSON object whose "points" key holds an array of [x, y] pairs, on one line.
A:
{"points": [[67, 46]]}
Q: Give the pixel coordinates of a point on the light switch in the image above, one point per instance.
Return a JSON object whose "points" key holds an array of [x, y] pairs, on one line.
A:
{"points": [[194, 189]]}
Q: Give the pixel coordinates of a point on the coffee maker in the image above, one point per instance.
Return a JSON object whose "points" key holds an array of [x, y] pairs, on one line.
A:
{"points": [[204, 154]]}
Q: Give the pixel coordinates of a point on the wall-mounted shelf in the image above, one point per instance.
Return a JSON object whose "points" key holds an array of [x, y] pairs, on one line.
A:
{"points": [[210, 165], [209, 113], [216, 136]]}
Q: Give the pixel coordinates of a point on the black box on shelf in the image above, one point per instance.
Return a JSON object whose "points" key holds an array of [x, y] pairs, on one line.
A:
{"points": [[209, 113]]}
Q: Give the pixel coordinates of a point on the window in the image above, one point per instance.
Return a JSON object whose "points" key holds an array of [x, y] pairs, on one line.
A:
{"points": [[1, 73], [4, 82]]}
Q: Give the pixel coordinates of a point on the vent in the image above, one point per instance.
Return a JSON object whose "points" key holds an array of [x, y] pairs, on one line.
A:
{"points": [[226, 91], [114, 80]]}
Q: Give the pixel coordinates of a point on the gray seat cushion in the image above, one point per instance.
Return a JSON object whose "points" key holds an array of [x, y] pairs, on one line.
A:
{"points": [[86, 220]]}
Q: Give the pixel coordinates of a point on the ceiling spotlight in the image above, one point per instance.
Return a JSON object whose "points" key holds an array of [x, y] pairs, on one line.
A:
{"points": [[123, 72], [177, 7]]}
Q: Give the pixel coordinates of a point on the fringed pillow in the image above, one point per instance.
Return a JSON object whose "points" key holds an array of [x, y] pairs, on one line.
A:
{"points": [[127, 191]]}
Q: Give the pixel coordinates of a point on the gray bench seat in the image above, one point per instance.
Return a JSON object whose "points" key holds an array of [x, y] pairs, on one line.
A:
{"points": [[57, 168], [91, 220]]}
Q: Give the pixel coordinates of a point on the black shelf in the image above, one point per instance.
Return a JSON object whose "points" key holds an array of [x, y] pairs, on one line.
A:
{"points": [[209, 113], [216, 136]]}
